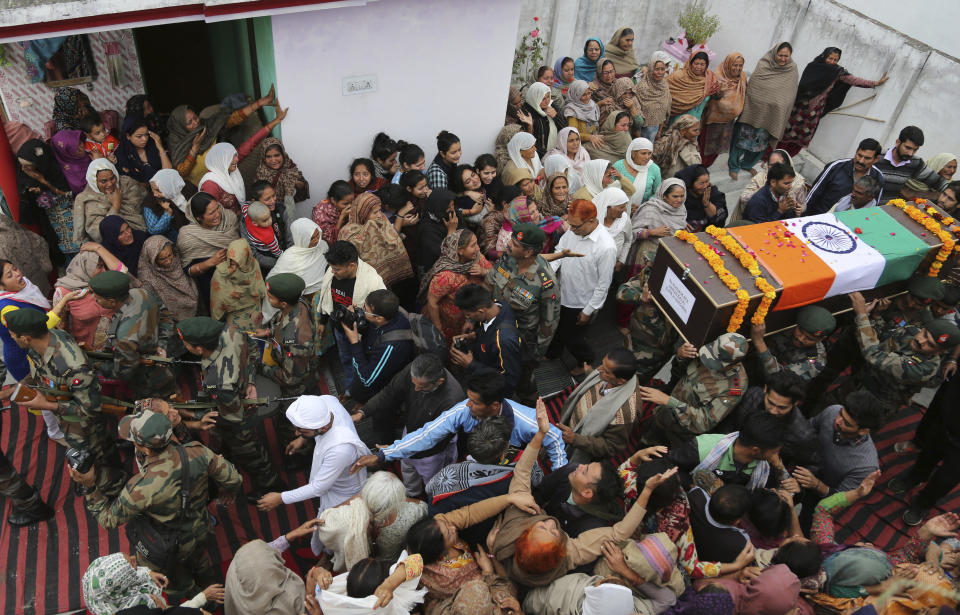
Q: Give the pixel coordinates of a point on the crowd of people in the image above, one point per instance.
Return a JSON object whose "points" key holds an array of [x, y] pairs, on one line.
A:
{"points": [[426, 293]]}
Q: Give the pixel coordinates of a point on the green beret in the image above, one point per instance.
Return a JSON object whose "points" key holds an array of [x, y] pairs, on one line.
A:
{"points": [[816, 320], [944, 333], [721, 352], [926, 288], [148, 428], [951, 294], [530, 236], [111, 284], [286, 287], [200, 330], [26, 321]]}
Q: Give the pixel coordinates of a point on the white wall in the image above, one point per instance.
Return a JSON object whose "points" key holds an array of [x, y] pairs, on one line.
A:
{"points": [[439, 65], [930, 21]]}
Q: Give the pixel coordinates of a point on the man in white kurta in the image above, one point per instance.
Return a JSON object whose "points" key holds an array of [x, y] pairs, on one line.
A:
{"points": [[336, 448]]}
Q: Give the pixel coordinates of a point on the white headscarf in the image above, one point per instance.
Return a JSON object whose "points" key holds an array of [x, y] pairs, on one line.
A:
{"points": [[604, 200], [100, 164], [335, 601], [218, 160], [606, 599], [522, 141], [657, 212], [533, 96], [639, 172], [558, 163], [308, 263], [28, 294], [171, 185], [593, 175]]}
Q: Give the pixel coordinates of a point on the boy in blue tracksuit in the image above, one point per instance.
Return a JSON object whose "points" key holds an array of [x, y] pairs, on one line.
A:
{"points": [[495, 340], [385, 348]]}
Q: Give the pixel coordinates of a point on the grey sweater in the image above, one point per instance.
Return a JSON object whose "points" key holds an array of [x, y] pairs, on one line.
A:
{"points": [[843, 463]]}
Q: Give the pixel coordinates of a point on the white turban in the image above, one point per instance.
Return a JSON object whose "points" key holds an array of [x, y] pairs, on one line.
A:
{"points": [[311, 411]]}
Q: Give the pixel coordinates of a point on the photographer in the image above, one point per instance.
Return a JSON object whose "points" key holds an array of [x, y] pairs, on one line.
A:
{"points": [[346, 283], [381, 344], [494, 342]]}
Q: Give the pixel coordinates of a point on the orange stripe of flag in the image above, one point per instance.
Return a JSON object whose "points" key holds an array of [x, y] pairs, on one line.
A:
{"points": [[805, 278]]}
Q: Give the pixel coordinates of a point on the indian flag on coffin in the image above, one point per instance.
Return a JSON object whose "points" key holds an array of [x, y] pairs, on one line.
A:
{"points": [[821, 256]]}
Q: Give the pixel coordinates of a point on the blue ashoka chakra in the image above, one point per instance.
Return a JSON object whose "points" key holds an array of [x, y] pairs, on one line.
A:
{"points": [[828, 237]]}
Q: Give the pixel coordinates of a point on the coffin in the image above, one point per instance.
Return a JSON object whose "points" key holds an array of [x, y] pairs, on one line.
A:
{"points": [[807, 260]]}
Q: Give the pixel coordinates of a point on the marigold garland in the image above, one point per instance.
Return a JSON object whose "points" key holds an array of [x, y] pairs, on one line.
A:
{"points": [[750, 264], [927, 221]]}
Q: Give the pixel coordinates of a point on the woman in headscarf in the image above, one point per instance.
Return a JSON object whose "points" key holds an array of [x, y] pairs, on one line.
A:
{"points": [[223, 180], [723, 109], [601, 88], [677, 148], [140, 153], [114, 582], [621, 53], [68, 149], [563, 76], [16, 292], [524, 209], [624, 99], [161, 272], [514, 116], [191, 136], [305, 257], [597, 175], [771, 91], [561, 165], [258, 581], [84, 318], [460, 263], [556, 196], [705, 203], [107, 193], [537, 104], [69, 105], [823, 86], [376, 239], [638, 168], [122, 241], [439, 219], [691, 87], [946, 167], [522, 149], [277, 168], [203, 243], [615, 133], [775, 590], [798, 189], [237, 290], [581, 113], [43, 188], [612, 213], [139, 105], [523, 179], [660, 216], [653, 94], [570, 148], [585, 67]]}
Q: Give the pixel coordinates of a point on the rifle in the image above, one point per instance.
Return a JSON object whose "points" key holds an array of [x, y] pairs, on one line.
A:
{"points": [[118, 407], [24, 394], [144, 360]]}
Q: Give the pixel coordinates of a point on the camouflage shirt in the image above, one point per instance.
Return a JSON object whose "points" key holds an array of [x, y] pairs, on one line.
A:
{"points": [[227, 372], [534, 296], [652, 337], [292, 345], [139, 327], [782, 353], [893, 370], [64, 366], [155, 491], [894, 317], [702, 397]]}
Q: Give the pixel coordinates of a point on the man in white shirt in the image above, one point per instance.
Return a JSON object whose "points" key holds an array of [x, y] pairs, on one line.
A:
{"points": [[337, 447], [864, 194], [584, 280]]}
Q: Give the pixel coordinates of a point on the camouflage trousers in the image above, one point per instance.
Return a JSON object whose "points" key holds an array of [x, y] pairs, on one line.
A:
{"points": [[243, 448], [91, 433], [192, 572]]}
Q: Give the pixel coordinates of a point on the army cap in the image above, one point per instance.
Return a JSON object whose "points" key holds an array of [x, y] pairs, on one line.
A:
{"points": [[926, 288], [529, 236], [111, 284], [199, 330], [26, 321], [816, 320], [147, 428], [286, 287], [724, 350], [951, 294], [944, 333]]}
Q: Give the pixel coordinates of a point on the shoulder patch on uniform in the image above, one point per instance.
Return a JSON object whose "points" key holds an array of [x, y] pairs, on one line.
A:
{"points": [[546, 282]]}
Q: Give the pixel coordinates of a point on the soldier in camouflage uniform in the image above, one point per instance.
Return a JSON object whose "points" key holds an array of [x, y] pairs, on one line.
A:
{"points": [[228, 366], [27, 506], [708, 390], [799, 350], [141, 326], [895, 369], [155, 493], [59, 370], [290, 335], [651, 335], [524, 280]]}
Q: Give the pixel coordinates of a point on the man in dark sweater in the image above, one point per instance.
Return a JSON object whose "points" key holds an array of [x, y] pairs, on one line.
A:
{"points": [[419, 393], [495, 339], [385, 348], [714, 519], [772, 202], [901, 163], [837, 178], [582, 496]]}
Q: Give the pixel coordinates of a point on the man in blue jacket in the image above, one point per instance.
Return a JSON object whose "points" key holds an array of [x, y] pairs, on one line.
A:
{"points": [[385, 348], [837, 178], [485, 399], [495, 341], [772, 202]]}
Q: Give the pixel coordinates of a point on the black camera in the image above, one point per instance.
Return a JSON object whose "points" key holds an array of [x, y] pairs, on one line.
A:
{"points": [[81, 460], [463, 344], [343, 315]]}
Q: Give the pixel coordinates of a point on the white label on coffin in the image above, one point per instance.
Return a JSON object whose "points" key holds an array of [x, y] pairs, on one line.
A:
{"points": [[856, 265], [677, 295]]}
